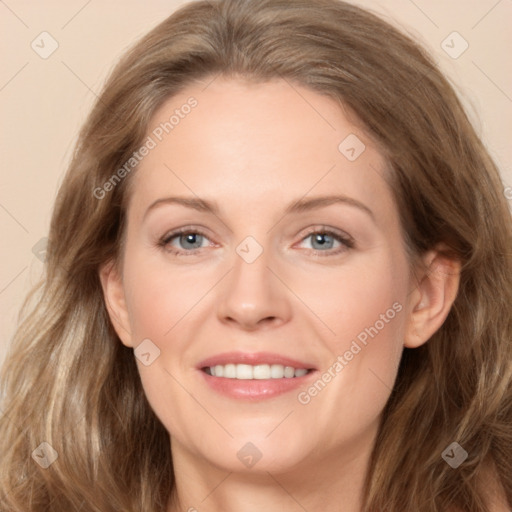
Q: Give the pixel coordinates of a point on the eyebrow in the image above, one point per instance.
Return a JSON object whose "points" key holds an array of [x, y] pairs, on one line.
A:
{"points": [[299, 206]]}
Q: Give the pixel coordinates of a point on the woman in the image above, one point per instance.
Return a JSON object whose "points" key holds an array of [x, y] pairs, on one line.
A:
{"points": [[337, 337]]}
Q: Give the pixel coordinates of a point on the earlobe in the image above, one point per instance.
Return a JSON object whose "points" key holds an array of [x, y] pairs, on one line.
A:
{"points": [[115, 302], [433, 297]]}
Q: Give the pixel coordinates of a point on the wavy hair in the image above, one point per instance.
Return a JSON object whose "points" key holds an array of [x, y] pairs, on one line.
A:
{"points": [[68, 381]]}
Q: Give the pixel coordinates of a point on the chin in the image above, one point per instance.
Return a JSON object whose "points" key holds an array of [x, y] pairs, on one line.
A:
{"points": [[259, 453]]}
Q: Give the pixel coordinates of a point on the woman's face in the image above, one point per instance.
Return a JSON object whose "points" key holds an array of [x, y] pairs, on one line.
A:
{"points": [[290, 262]]}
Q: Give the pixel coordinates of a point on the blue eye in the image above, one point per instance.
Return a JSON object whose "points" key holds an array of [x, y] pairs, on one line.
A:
{"points": [[191, 238], [323, 241], [189, 241]]}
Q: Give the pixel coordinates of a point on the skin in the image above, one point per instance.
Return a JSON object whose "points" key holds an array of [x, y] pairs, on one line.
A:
{"points": [[254, 149]]}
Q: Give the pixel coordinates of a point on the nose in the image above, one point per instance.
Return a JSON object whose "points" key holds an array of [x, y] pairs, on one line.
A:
{"points": [[253, 296]]}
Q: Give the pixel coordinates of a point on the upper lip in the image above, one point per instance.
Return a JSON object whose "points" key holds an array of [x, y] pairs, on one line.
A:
{"points": [[253, 359]]}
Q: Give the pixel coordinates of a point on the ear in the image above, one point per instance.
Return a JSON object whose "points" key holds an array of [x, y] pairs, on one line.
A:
{"points": [[433, 296], [113, 293]]}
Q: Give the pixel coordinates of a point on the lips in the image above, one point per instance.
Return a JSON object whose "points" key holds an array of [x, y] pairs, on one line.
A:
{"points": [[254, 376]]}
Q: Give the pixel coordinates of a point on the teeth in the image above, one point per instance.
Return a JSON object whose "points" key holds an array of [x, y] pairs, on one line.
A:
{"points": [[289, 372], [230, 371], [259, 371], [243, 371]]}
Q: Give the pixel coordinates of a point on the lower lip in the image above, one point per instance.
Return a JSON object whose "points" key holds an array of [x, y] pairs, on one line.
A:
{"points": [[254, 389]]}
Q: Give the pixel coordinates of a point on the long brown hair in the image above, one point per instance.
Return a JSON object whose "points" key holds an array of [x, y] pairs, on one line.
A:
{"points": [[69, 382]]}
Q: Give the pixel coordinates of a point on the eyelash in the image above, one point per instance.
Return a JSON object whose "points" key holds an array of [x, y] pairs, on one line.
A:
{"points": [[346, 241]]}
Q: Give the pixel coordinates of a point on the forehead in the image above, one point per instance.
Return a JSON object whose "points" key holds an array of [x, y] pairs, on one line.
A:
{"points": [[257, 142]]}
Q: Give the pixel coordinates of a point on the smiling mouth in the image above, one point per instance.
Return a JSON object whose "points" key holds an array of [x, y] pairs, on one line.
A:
{"points": [[255, 372]]}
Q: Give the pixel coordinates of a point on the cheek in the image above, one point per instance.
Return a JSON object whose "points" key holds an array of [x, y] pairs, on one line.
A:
{"points": [[160, 303], [366, 302], [367, 312], [158, 299]]}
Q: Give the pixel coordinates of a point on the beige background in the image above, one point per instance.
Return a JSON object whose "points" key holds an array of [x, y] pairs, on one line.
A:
{"points": [[44, 101]]}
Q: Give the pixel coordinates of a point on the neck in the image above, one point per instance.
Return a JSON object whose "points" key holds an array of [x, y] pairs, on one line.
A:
{"points": [[332, 482]]}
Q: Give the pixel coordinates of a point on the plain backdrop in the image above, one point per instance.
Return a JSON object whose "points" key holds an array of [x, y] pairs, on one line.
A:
{"points": [[44, 98]]}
